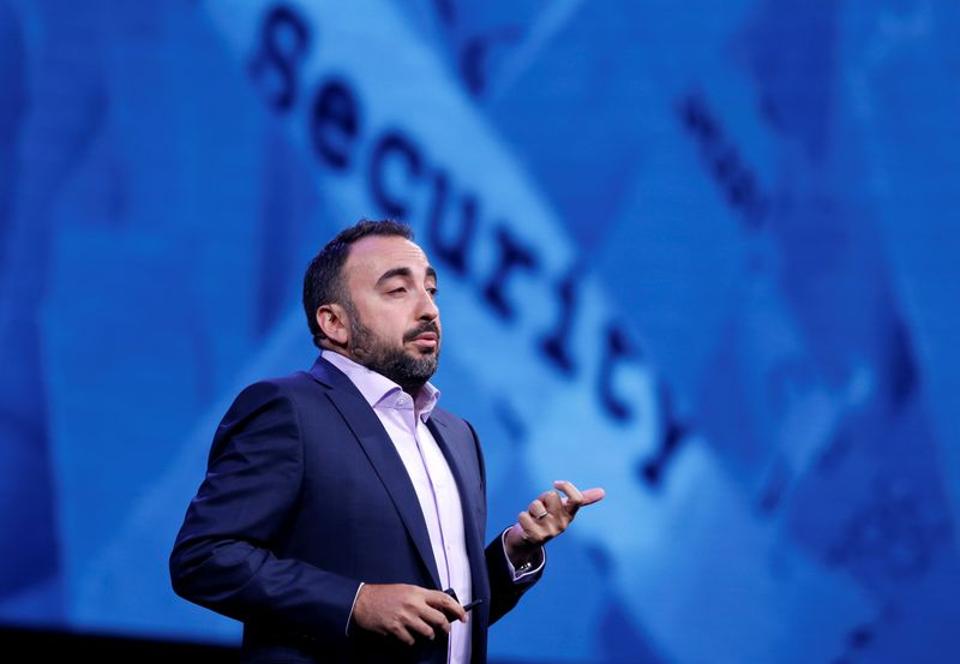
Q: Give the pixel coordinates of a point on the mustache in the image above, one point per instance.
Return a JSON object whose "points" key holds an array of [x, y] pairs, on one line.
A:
{"points": [[428, 326]]}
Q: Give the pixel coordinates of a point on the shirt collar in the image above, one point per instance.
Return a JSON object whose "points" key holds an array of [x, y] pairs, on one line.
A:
{"points": [[381, 392]]}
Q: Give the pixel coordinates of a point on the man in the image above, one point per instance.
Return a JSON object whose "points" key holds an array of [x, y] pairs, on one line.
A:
{"points": [[341, 502]]}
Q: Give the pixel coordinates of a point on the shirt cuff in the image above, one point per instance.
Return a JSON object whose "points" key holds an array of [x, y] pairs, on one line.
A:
{"points": [[525, 571], [346, 630]]}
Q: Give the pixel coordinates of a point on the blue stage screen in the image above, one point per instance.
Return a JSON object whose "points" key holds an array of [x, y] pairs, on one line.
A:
{"points": [[701, 254]]}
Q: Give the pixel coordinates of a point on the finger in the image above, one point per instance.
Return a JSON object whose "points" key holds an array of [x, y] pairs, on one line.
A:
{"points": [[538, 510], [591, 496], [449, 606], [400, 631], [418, 626], [574, 497], [535, 534], [553, 503], [436, 619]]}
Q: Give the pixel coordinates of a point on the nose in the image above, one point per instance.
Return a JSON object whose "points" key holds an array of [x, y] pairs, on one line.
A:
{"points": [[427, 306]]}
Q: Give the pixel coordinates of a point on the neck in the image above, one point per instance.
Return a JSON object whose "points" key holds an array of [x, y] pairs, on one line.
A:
{"points": [[413, 389]]}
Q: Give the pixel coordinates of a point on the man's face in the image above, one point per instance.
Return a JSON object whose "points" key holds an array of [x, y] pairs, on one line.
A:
{"points": [[394, 323]]}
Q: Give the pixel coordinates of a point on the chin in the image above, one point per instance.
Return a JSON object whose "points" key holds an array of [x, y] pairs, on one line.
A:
{"points": [[420, 354]]}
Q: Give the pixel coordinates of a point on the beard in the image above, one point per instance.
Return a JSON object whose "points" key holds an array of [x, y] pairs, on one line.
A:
{"points": [[408, 371]]}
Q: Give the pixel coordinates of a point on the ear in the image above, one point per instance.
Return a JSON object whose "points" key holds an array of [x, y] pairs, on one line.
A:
{"points": [[331, 318]]}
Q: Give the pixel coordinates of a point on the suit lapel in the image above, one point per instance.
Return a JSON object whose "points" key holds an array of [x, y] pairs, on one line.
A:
{"points": [[469, 492], [382, 454]]}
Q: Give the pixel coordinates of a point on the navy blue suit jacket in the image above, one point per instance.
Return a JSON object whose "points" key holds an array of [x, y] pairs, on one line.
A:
{"points": [[305, 496]]}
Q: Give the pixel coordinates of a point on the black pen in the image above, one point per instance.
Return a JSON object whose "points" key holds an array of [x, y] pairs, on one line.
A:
{"points": [[470, 605]]}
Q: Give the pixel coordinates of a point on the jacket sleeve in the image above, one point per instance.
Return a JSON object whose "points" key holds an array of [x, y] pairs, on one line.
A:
{"points": [[225, 556], [504, 591]]}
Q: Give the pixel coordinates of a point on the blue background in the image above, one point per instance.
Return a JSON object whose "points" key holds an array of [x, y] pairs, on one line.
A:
{"points": [[701, 254]]}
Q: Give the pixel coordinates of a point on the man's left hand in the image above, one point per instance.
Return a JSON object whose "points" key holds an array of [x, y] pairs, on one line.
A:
{"points": [[546, 517]]}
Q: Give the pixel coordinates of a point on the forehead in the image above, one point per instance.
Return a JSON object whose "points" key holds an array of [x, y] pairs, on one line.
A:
{"points": [[373, 255]]}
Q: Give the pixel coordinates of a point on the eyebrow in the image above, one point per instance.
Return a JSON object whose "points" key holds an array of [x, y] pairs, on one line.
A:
{"points": [[403, 272]]}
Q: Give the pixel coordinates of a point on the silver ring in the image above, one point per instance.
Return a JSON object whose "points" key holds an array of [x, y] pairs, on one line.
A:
{"points": [[541, 516]]}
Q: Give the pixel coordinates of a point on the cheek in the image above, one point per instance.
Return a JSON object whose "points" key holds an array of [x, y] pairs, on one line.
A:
{"points": [[389, 323]]}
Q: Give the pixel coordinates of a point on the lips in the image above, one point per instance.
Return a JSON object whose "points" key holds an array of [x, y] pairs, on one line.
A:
{"points": [[426, 337], [426, 342]]}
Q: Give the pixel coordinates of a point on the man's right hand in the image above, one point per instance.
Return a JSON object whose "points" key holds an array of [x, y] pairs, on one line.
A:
{"points": [[405, 612]]}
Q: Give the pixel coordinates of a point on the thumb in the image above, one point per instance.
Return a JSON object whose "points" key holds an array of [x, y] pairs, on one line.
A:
{"points": [[591, 496]]}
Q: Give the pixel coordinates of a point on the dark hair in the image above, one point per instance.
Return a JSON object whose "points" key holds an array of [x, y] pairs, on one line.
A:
{"points": [[323, 282]]}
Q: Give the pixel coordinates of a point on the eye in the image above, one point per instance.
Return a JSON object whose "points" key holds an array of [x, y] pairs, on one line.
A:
{"points": [[400, 290], [432, 291]]}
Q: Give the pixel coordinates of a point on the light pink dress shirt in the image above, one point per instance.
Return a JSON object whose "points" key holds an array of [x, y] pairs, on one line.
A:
{"points": [[405, 422]]}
